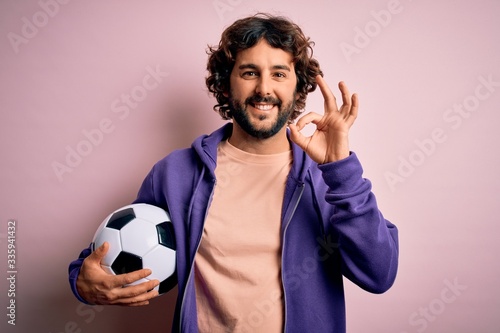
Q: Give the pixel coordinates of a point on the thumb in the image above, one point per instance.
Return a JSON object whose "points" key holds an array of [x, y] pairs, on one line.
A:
{"points": [[100, 252], [296, 137], [294, 132]]}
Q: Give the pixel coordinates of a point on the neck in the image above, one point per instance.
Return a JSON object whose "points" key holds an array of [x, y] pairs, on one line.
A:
{"points": [[276, 144]]}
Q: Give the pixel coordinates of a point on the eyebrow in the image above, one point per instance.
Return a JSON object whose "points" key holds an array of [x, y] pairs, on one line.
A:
{"points": [[253, 66]]}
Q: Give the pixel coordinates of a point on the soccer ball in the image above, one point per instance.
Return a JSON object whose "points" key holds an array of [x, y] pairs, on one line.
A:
{"points": [[139, 236]]}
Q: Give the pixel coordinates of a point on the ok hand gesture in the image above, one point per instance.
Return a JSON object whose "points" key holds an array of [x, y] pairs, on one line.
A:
{"points": [[329, 142]]}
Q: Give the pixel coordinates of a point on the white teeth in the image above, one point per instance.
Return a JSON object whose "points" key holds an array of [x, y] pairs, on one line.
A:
{"points": [[264, 107]]}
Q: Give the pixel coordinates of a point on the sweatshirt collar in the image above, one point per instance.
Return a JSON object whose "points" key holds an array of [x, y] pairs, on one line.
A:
{"points": [[206, 148]]}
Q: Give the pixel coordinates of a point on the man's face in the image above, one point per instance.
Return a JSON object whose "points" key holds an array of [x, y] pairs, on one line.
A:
{"points": [[262, 89]]}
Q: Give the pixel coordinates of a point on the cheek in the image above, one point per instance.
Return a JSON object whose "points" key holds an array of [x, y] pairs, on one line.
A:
{"points": [[241, 90], [289, 92]]}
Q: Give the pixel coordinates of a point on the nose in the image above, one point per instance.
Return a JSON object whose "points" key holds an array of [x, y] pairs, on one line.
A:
{"points": [[264, 86]]}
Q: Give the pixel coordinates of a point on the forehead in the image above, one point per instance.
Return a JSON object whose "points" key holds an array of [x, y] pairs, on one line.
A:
{"points": [[264, 55]]}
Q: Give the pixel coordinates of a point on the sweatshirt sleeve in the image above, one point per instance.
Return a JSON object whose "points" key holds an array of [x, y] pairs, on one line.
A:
{"points": [[368, 243], [146, 191]]}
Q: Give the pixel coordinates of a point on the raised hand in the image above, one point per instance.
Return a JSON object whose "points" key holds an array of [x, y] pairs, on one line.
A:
{"points": [[96, 286], [330, 140]]}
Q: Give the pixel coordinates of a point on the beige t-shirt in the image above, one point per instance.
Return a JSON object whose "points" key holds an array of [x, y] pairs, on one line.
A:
{"points": [[237, 266]]}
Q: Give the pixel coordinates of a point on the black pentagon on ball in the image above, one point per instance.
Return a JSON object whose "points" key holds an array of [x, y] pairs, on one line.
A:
{"points": [[166, 235], [119, 219], [126, 262]]}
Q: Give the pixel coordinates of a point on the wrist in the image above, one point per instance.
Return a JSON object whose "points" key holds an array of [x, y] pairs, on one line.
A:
{"points": [[338, 152]]}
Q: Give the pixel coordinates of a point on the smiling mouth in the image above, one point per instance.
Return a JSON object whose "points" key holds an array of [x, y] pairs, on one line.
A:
{"points": [[263, 107]]}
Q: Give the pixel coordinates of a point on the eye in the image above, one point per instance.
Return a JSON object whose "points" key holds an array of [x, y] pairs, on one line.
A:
{"points": [[249, 74], [280, 75]]}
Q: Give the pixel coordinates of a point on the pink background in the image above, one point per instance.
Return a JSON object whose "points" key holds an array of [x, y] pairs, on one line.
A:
{"points": [[66, 65]]}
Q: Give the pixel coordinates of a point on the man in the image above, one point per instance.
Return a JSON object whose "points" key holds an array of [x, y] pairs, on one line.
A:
{"points": [[267, 221]]}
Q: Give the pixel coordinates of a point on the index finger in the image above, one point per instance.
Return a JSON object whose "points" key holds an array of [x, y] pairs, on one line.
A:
{"points": [[327, 93], [128, 278]]}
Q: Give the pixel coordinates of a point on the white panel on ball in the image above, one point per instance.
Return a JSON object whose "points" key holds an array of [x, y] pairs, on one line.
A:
{"points": [[139, 237], [161, 260], [150, 213]]}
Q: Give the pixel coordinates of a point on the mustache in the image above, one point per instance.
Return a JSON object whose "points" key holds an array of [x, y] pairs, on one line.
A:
{"points": [[260, 99]]}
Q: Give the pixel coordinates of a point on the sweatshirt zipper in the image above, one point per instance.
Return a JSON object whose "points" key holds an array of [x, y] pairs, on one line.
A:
{"points": [[297, 194], [197, 248]]}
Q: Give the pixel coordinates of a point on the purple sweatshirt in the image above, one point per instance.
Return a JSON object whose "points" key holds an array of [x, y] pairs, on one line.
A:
{"points": [[331, 227]]}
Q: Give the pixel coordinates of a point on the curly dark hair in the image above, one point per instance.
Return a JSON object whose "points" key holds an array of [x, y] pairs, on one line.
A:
{"points": [[279, 32]]}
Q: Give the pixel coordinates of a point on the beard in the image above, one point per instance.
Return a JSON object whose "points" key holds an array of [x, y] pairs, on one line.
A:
{"points": [[241, 117]]}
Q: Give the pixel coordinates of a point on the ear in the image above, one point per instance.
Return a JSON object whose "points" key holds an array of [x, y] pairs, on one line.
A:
{"points": [[225, 94]]}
